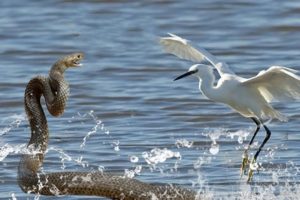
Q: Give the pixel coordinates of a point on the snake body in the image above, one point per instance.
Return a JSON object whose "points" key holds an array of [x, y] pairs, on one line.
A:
{"points": [[55, 91]]}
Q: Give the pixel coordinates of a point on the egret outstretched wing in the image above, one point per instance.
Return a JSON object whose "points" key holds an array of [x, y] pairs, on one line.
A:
{"points": [[276, 84], [181, 48]]}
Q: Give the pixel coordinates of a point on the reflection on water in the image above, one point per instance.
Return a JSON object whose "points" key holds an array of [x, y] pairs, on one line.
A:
{"points": [[126, 115]]}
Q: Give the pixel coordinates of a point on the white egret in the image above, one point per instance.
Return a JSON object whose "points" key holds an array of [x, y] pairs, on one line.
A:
{"points": [[249, 97]]}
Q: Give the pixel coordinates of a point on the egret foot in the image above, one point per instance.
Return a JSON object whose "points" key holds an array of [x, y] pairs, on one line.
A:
{"points": [[245, 162], [254, 166]]}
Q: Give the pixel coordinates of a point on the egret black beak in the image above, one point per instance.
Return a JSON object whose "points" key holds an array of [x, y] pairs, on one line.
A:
{"points": [[185, 74]]}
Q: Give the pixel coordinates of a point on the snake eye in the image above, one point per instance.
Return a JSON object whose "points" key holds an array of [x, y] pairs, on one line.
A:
{"points": [[78, 56]]}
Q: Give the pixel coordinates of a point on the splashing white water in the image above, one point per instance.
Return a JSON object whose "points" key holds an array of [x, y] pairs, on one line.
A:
{"points": [[276, 190], [80, 161], [132, 173], [8, 149], [98, 126], [93, 131], [157, 155], [214, 148], [14, 122], [134, 159], [63, 156], [183, 143], [116, 145], [202, 161], [13, 196], [216, 134], [5, 151]]}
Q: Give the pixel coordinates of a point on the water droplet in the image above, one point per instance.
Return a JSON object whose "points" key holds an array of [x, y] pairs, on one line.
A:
{"points": [[129, 173], [134, 159], [184, 143], [138, 169], [13, 196], [116, 145], [240, 140], [157, 155], [117, 148], [214, 148]]}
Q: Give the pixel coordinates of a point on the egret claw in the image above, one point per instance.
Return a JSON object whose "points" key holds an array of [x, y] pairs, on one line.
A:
{"points": [[250, 175], [245, 162], [254, 166]]}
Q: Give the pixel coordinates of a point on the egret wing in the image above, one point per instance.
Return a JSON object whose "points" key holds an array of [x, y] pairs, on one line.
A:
{"points": [[181, 48], [276, 84]]}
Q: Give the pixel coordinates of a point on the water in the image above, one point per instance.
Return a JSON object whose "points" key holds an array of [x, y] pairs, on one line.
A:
{"points": [[126, 115]]}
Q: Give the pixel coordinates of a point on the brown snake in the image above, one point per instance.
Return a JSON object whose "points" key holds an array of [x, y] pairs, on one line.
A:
{"points": [[55, 91]]}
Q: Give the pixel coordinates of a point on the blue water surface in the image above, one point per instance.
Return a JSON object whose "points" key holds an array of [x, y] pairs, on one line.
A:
{"points": [[126, 115]]}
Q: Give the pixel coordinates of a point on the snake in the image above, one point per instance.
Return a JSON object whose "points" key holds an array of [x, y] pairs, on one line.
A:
{"points": [[31, 179]]}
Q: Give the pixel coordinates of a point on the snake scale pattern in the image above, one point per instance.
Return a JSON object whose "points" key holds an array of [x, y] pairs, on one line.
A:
{"points": [[55, 90]]}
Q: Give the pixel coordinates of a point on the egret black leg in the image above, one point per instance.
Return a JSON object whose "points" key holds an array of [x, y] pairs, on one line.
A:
{"points": [[268, 135], [257, 122], [253, 164], [245, 161]]}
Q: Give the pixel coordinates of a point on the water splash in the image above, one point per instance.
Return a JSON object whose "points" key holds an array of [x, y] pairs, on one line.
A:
{"points": [[269, 192], [98, 125], [132, 173], [214, 148], [240, 134], [8, 149], [116, 145], [14, 122], [13, 196], [216, 134], [93, 131], [183, 143], [158, 155], [5, 151], [63, 156], [202, 161], [134, 159], [81, 162], [275, 181], [283, 181]]}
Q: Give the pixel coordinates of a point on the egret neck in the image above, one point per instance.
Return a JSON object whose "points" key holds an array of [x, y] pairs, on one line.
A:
{"points": [[206, 82]]}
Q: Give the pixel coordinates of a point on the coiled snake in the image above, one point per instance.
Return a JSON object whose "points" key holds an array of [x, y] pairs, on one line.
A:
{"points": [[55, 91]]}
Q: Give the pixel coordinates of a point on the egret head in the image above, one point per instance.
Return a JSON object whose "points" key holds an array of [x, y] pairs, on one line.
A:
{"points": [[196, 70]]}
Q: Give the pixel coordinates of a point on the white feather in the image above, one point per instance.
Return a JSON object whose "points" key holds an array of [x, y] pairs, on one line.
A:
{"points": [[181, 48], [276, 84], [250, 97]]}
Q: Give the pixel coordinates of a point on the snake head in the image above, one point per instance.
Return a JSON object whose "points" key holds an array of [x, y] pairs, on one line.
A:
{"points": [[73, 60]]}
